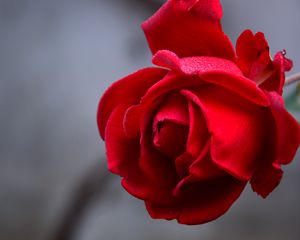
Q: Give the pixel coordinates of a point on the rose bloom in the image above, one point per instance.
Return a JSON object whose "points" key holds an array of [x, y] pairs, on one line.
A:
{"points": [[187, 136]]}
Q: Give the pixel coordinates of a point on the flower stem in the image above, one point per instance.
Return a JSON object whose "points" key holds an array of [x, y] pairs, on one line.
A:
{"points": [[292, 79], [91, 186]]}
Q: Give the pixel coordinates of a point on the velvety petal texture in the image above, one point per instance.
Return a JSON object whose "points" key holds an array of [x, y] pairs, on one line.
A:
{"points": [[189, 28], [253, 55], [187, 136], [255, 61], [121, 91], [200, 202], [238, 129], [203, 70], [275, 81]]}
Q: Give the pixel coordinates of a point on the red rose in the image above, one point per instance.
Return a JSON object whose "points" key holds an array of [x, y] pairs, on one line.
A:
{"points": [[186, 138]]}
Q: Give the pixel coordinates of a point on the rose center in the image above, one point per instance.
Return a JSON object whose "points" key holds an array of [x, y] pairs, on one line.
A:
{"points": [[170, 138]]}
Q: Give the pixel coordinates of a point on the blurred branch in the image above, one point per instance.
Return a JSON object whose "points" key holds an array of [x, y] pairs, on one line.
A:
{"points": [[92, 185], [292, 79]]}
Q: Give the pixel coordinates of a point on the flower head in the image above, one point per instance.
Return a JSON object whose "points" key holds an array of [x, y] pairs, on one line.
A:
{"points": [[188, 135]]}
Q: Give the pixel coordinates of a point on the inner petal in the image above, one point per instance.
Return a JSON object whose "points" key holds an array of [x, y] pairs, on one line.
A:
{"points": [[170, 126], [237, 128], [170, 138], [174, 108], [197, 140], [198, 132]]}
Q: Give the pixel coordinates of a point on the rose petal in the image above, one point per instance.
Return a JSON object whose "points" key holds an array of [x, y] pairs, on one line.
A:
{"points": [[276, 80], [170, 138], [240, 85], [283, 142], [135, 115], [209, 70], [170, 126], [167, 59], [159, 211], [266, 178], [195, 65], [156, 166], [123, 156], [193, 171], [209, 200], [198, 132], [182, 164], [287, 130], [237, 133], [202, 201], [139, 186], [255, 62], [131, 122], [174, 108], [167, 29], [203, 168], [127, 90], [122, 152], [253, 54]]}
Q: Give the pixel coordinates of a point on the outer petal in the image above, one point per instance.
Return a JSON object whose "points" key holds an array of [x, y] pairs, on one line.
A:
{"points": [[287, 130], [195, 65], [284, 140], [127, 90], [123, 156], [122, 152], [193, 71], [237, 129], [167, 29], [139, 186], [201, 201], [266, 179], [276, 80], [253, 54], [155, 162], [255, 62]]}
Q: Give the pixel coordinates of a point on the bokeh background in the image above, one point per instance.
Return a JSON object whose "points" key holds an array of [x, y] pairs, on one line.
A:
{"points": [[56, 59]]}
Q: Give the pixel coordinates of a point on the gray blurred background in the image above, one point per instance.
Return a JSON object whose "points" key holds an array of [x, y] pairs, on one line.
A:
{"points": [[56, 59]]}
